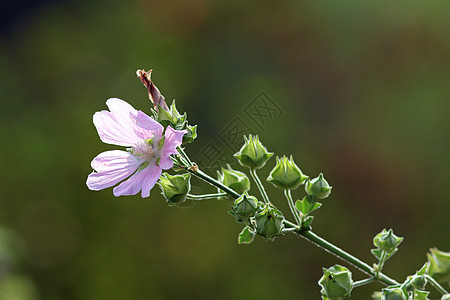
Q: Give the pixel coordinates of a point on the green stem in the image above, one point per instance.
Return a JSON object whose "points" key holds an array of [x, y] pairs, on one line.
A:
{"points": [[363, 282], [200, 174], [436, 285], [185, 156], [347, 257], [288, 195], [260, 186], [205, 196], [380, 263]]}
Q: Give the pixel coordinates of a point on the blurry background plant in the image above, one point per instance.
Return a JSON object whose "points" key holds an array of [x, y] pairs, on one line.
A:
{"points": [[364, 89]]}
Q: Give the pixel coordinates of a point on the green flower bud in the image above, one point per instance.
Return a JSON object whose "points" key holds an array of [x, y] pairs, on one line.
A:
{"points": [[245, 207], [377, 295], [286, 174], [318, 187], [253, 154], [387, 241], [235, 180], [175, 188], [393, 293], [419, 282], [439, 265], [446, 297], [336, 282], [171, 116], [269, 222]]}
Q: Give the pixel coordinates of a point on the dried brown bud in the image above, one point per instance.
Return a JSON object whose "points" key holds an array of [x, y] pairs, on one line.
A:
{"points": [[153, 93]]}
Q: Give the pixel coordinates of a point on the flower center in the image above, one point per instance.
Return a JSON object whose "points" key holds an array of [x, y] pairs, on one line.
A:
{"points": [[147, 150]]}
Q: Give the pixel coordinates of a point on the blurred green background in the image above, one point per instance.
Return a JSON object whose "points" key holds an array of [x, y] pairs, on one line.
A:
{"points": [[364, 89]]}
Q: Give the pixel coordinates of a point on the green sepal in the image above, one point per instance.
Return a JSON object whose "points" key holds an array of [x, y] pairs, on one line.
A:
{"points": [[305, 206], [235, 180], [394, 293], [246, 236], [386, 240], [446, 297], [286, 175], [253, 154], [318, 187], [245, 207], [377, 295], [336, 283], [191, 134], [269, 222], [439, 265], [378, 252], [174, 188], [421, 295]]}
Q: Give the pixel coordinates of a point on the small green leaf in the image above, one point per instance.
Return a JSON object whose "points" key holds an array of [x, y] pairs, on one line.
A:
{"points": [[307, 221], [421, 295], [246, 236], [306, 206], [377, 253]]}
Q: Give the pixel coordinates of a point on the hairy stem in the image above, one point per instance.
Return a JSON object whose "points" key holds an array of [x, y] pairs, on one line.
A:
{"points": [[205, 196], [436, 285], [294, 211], [260, 186], [363, 282], [347, 257]]}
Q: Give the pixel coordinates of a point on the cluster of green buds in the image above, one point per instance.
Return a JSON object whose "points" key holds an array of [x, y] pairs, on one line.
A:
{"points": [[175, 188], [336, 283]]}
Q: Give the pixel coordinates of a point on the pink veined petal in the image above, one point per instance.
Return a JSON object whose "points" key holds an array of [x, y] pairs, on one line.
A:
{"points": [[111, 131], [111, 167], [123, 112], [148, 128], [173, 139], [142, 180]]}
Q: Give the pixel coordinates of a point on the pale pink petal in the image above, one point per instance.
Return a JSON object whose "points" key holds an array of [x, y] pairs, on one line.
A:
{"points": [[113, 132], [110, 168], [122, 111], [142, 180], [173, 139]]}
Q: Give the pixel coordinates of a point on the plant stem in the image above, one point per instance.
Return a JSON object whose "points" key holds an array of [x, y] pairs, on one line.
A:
{"points": [[380, 264], [205, 196], [436, 285], [260, 186], [288, 195], [363, 282], [347, 257], [185, 156], [200, 174]]}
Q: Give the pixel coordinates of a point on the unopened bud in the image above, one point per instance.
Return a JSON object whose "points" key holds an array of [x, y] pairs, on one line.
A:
{"points": [[387, 241], [235, 180], [253, 154], [245, 207], [175, 188], [318, 187], [286, 174], [336, 282], [269, 222], [439, 265], [393, 293]]}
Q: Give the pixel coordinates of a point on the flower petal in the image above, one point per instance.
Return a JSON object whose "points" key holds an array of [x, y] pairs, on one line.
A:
{"points": [[110, 168], [142, 180], [173, 139], [117, 127]]}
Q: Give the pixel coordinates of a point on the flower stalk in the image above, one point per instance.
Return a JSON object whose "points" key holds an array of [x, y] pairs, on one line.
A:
{"points": [[260, 186]]}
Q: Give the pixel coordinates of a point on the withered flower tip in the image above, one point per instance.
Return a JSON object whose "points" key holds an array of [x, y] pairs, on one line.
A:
{"points": [[153, 93]]}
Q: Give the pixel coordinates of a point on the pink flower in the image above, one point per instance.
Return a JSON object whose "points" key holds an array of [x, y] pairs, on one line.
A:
{"points": [[148, 153]]}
